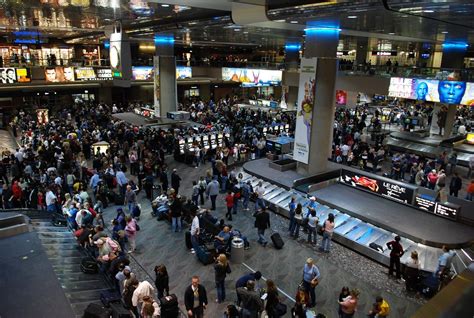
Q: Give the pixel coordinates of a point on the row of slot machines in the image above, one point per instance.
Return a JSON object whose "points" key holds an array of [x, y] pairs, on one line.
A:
{"points": [[276, 130], [206, 141]]}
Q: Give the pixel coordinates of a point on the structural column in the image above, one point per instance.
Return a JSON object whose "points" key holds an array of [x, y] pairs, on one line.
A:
{"points": [[165, 76], [361, 50], [321, 43], [292, 56]]}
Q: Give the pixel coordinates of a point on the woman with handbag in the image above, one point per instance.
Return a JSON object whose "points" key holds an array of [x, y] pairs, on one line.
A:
{"points": [[221, 269], [274, 307], [311, 276]]}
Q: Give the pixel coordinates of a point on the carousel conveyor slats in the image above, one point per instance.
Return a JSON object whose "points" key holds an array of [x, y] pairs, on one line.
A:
{"points": [[348, 230]]}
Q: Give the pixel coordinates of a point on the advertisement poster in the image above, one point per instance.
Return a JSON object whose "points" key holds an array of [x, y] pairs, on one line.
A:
{"points": [[183, 72], [42, 116], [156, 85], [23, 75], [425, 90], [8, 75], [387, 189], [447, 210], [59, 74], [85, 74], [341, 97], [142, 73], [251, 77], [304, 114], [104, 73], [400, 87]]}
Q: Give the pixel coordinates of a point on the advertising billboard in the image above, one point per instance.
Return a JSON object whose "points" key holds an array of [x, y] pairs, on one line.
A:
{"points": [[183, 72], [439, 91], [85, 74], [59, 74], [251, 77], [389, 189], [156, 86], [341, 97], [304, 114], [23, 75], [104, 73], [11, 75], [142, 73], [447, 210]]}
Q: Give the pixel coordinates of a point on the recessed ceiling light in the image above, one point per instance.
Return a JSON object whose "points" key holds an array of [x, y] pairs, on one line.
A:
{"points": [[428, 11], [352, 17], [294, 22], [246, 32], [213, 40], [237, 30], [165, 5], [391, 33], [445, 32]]}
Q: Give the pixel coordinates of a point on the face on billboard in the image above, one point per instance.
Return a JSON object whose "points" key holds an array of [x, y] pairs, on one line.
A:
{"points": [[51, 75], [69, 74], [451, 92], [421, 91]]}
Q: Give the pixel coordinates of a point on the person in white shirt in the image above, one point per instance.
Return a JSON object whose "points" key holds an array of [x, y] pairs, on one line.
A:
{"points": [[195, 230], [58, 181], [142, 289], [50, 201], [260, 191]]}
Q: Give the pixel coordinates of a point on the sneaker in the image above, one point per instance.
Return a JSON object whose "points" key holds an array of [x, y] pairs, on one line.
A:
{"points": [[193, 251], [247, 248]]}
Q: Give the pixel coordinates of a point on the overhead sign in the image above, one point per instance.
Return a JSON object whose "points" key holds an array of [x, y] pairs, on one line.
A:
{"points": [[85, 74], [183, 72], [389, 189], [439, 91], [447, 210], [304, 114], [11, 75], [142, 73], [251, 77], [104, 73]]}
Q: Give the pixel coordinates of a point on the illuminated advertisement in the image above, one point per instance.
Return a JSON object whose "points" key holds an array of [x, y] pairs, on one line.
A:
{"points": [[85, 74], [142, 73], [59, 74], [251, 77], [183, 72], [392, 190], [11, 75], [42, 116], [341, 97], [156, 86], [23, 75], [470, 138], [104, 73], [446, 210], [440, 91]]}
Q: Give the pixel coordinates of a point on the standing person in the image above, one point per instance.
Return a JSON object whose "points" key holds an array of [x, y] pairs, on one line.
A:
{"points": [[195, 299], [312, 225], [455, 185], [432, 178], [292, 208], [131, 231], [249, 300], [175, 181], [298, 220], [195, 230], [328, 229], [381, 308], [396, 252], [441, 181], [212, 191], [453, 162], [176, 213], [130, 199], [471, 166], [150, 308], [412, 269], [122, 181], [246, 190], [162, 281], [342, 295], [469, 191], [349, 304], [202, 188], [311, 276], [302, 301], [444, 262], [221, 269], [142, 289], [229, 202], [195, 194], [262, 222], [272, 299], [164, 180], [259, 191]]}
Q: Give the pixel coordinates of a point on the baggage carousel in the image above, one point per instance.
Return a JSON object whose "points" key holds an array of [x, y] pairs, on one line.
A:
{"points": [[359, 233]]}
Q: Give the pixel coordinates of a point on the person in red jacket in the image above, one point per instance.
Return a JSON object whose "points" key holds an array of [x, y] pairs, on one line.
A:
{"points": [[229, 202], [17, 194]]}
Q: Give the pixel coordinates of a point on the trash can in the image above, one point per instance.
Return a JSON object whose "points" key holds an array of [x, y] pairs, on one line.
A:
{"points": [[237, 251]]}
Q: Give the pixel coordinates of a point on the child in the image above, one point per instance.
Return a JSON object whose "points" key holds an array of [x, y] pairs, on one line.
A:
{"points": [[229, 200]]}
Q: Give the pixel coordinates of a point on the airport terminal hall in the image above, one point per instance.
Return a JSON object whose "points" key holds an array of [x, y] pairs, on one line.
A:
{"points": [[236, 159]]}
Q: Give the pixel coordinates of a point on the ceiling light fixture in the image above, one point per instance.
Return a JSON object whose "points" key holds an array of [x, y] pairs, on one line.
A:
{"points": [[428, 11], [281, 20], [352, 17], [165, 5], [445, 32], [293, 22], [391, 33]]}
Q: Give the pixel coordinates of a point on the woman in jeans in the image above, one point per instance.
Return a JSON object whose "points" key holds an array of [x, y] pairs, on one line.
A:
{"points": [[312, 225], [298, 220], [221, 269], [328, 229]]}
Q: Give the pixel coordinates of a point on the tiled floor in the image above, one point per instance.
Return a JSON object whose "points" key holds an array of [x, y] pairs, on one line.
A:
{"points": [[157, 244]]}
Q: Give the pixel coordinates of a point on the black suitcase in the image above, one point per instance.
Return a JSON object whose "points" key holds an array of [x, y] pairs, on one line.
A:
{"points": [[204, 255], [376, 247], [96, 311], [59, 220], [119, 311], [277, 240], [89, 265], [189, 244], [169, 306], [110, 296]]}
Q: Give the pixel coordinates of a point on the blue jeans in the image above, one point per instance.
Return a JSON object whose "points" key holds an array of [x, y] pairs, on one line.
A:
{"points": [[259, 203], [194, 199], [296, 231], [220, 287], [194, 241], [326, 244], [292, 226], [245, 201], [131, 206], [261, 236], [223, 183], [312, 232], [176, 224], [51, 208], [236, 206], [469, 196], [312, 294]]}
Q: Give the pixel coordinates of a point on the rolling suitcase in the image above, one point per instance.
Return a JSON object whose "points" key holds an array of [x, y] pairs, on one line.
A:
{"points": [[96, 311], [89, 265], [119, 311], [376, 247], [59, 220], [277, 240], [119, 199], [203, 255], [169, 306], [110, 296], [189, 244]]}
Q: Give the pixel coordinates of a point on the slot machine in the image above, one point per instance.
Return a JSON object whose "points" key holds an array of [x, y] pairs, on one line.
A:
{"points": [[181, 143], [189, 143], [213, 141], [198, 141], [220, 139], [282, 128], [287, 128], [205, 141], [264, 131], [227, 135]]}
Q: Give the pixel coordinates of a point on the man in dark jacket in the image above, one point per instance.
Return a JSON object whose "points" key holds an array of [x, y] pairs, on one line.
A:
{"points": [[175, 181], [396, 252], [455, 185], [262, 222], [250, 300], [195, 299], [176, 212], [164, 180]]}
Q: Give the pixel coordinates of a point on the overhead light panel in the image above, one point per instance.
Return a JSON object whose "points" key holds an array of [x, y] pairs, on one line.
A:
{"points": [[165, 5], [294, 22], [352, 17]]}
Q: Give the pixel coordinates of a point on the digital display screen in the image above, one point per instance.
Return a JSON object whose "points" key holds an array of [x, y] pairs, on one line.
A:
{"points": [[11, 75], [23, 75], [387, 189], [252, 77], [439, 91], [183, 72], [447, 210], [59, 74], [142, 73], [104, 73]]}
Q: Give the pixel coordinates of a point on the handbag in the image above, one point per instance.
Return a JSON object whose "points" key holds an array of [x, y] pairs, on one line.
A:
{"points": [[137, 227], [280, 309], [314, 282]]}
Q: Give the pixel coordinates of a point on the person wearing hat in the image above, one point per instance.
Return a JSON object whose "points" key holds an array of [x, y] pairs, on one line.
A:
{"points": [[311, 206], [311, 276]]}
